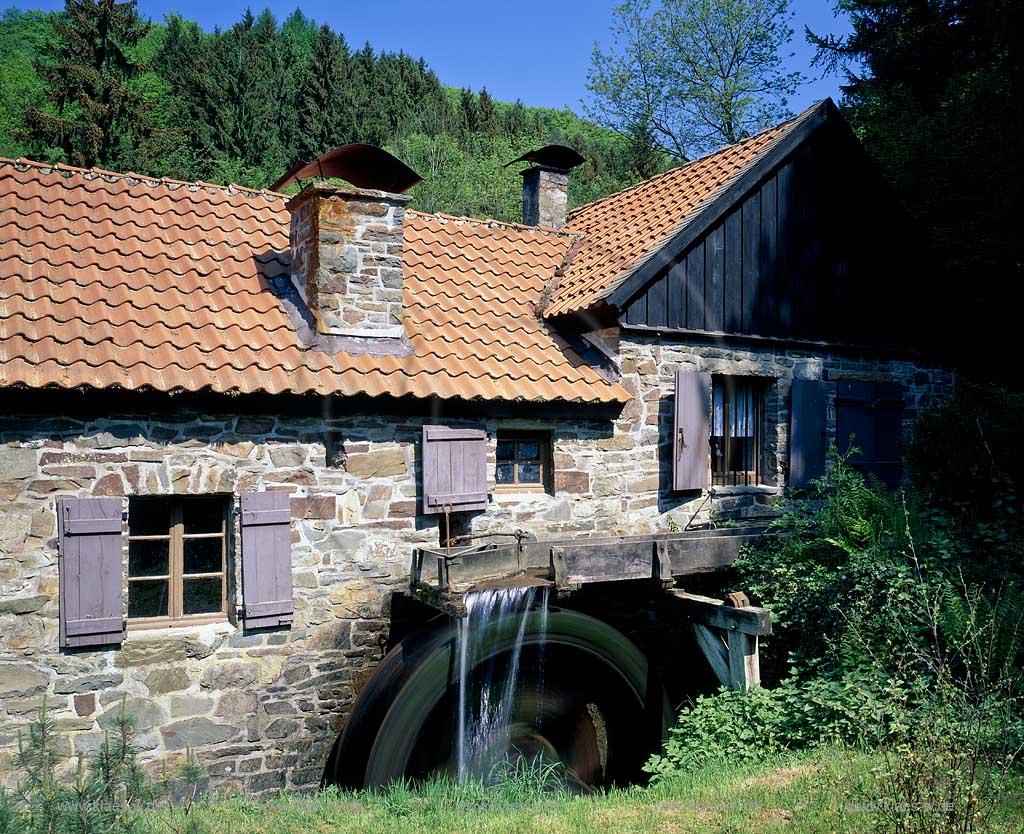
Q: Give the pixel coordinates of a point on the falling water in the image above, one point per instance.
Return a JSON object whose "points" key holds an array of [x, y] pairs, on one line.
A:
{"points": [[488, 678]]}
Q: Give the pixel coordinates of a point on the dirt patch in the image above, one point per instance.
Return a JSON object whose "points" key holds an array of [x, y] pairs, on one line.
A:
{"points": [[777, 815], [775, 779]]}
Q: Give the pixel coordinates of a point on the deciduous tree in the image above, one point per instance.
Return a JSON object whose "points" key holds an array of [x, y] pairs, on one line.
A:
{"points": [[693, 74]]}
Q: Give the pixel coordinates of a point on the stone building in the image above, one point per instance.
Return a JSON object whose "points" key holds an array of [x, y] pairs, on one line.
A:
{"points": [[231, 416]]}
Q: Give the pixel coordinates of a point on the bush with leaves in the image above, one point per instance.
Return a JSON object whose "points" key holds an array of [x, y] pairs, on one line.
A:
{"points": [[725, 726], [835, 577], [881, 639]]}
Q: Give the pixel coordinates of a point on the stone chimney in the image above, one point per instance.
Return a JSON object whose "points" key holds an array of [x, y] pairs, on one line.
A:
{"points": [[346, 256], [545, 196]]}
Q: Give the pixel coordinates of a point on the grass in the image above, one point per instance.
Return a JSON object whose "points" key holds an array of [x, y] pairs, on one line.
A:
{"points": [[828, 791]]}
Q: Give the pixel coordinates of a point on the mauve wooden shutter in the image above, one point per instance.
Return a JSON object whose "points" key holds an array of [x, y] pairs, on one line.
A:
{"points": [[89, 542], [266, 559], [454, 469], [807, 438], [690, 450]]}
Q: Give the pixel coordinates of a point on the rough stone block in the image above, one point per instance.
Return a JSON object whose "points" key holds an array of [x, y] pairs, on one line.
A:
{"points": [[195, 732], [70, 685], [161, 681]]}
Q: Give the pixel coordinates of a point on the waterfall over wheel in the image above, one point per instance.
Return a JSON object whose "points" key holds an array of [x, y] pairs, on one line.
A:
{"points": [[516, 680]]}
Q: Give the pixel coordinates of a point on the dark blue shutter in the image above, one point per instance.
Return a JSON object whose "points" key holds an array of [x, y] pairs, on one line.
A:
{"points": [[691, 454], [454, 469], [873, 413], [90, 568], [265, 522], [807, 438]]}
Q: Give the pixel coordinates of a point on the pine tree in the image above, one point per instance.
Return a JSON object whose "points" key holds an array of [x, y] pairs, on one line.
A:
{"points": [[517, 122], [320, 104], [297, 37], [469, 112], [97, 118], [489, 118]]}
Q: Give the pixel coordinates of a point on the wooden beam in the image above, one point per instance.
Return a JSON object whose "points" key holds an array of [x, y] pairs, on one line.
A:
{"points": [[576, 562], [715, 650], [728, 638], [713, 612], [744, 664]]}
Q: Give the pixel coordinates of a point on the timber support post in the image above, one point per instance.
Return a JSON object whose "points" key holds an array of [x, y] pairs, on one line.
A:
{"points": [[727, 632]]}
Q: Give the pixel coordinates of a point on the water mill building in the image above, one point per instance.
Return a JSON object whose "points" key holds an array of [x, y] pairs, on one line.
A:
{"points": [[250, 443]]}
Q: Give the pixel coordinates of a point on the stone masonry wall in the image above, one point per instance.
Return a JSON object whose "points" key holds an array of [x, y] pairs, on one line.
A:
{"points": [[545, 196], [346, 249], [261, 710]]}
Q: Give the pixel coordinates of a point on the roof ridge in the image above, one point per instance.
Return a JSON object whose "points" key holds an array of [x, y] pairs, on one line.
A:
{"points": [[66, 170], [493, 223], [785, 124]]}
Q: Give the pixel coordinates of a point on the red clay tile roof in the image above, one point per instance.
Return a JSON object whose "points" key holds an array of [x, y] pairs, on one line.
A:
{"points": [[116, 280], [620, 232]]}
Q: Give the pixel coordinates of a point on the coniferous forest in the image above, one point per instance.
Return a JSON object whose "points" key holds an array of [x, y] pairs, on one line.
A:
{"points": [[242, 104]]}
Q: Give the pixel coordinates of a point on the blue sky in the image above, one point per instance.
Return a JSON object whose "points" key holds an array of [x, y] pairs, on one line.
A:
{"points": [[536, 51]]}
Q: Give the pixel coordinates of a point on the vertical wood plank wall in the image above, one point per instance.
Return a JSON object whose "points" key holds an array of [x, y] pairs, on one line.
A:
{"points": [[814, 251]]}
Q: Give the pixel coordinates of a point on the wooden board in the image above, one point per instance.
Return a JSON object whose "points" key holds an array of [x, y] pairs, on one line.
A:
{"points": [[624, 558]]}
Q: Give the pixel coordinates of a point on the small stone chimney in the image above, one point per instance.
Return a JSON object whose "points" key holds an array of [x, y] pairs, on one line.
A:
{"points": [[346, 255], [545, 196]]}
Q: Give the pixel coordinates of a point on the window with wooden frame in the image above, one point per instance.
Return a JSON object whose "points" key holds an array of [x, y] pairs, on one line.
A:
{"points": [[177, 560], [736, 430], [523, 461]]}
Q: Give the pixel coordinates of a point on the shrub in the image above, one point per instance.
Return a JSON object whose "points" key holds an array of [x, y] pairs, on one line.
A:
{"points": [[725, 726]]}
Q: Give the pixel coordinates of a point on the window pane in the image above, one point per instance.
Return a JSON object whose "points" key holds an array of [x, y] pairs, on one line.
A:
{"points": [[528, 450], [529, 473], [203, 555], [149, 517], [202, 596], [147, 599], [503, 474], [203, 515], [148, 558], [506, 449]]}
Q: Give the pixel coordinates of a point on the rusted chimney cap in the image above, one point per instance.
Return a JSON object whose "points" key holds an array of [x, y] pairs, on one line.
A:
{"points": [[365, 166]]}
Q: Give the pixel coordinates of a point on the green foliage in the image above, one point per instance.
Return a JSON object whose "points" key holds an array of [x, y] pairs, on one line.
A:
{"points": [[728, 726], [109, 794], [935, 91], [95, 115], [24, 37], [835, 576], [242, 104], [688, 76], [518, 779], [965, 460], [885, 636]]}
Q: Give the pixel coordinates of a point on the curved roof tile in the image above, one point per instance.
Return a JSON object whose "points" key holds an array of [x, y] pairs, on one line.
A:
{"points": [[114, 280]]}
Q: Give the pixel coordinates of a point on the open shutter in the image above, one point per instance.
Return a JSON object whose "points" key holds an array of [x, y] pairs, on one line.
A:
{"points": [[266, 559], [691, 430], [872, 412], [89, 542], [454, 469], [807, 438]]}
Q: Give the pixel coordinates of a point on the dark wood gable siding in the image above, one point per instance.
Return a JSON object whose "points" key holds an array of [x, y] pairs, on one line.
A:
{"points": [[809, 253]]}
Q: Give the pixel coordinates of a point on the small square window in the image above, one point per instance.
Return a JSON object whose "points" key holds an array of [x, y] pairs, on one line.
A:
{"points": [[523, 461], [736, 430], [177, 560]]}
